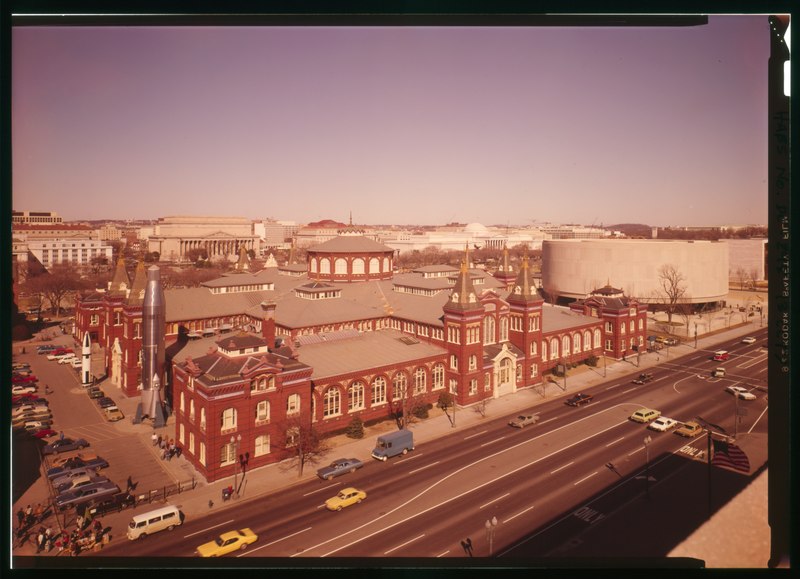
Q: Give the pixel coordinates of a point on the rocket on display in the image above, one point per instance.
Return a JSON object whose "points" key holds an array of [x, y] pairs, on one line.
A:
{"points": [[153, 320], [86, 360]]}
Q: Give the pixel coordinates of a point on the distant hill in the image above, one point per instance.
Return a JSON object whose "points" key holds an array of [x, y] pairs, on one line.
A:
{"points": [[633, 229]]}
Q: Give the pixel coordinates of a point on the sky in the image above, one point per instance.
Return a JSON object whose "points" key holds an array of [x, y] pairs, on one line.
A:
{"points": [[398, 125]]}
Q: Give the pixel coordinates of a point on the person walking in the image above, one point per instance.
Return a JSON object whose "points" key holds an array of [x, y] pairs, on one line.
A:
{"points": [[130, 484], [38, 512], [155, 438], [20, 518]]}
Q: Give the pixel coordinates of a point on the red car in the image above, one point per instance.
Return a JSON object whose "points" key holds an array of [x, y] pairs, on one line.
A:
{"points": [[44, 433], [24, 379], [29, 398]]}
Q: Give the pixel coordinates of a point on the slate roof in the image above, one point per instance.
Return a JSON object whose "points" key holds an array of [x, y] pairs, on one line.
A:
{"points": [[558, 318]]}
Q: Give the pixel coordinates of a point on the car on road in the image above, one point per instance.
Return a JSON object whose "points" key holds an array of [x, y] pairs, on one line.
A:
{"points": [[720, 356], [645, 415], [18, 389], [69, 499], [72, 474], [670, 341], [95, 393], [65, 445], [345, 498], [105, 402], [228, 543], [741, 393], [749, 340], [104, 505], [718, 372], [113, 414], [662, 424], [579, 399], [523, 420], [78, 482], [690, 429], [76, 462], [339, 467], [643, 378]]}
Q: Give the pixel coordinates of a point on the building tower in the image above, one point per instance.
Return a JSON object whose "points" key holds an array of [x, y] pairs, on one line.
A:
{"points": [[525, 323], [463, 334]]}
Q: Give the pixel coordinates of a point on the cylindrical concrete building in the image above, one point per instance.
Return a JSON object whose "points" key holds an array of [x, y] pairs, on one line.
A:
{"points": [[571, 268]]}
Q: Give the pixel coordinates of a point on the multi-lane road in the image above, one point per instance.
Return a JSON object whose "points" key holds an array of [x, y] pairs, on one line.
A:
{"points": [[545, 485]]}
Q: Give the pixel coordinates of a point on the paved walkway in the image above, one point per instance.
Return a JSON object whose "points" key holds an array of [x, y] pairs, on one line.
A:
{"points": [[748, 547]]}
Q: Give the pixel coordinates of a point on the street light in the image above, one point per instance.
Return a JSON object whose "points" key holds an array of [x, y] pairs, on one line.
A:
{"points": [[695, 335], [490, 527], [647, 441], [235, 440]]}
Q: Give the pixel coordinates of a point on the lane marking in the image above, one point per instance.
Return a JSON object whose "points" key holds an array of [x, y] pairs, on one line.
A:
{"points": [[493, 501], [635, 451], [336, 484], [424, 467], [492, 441], [208, 529], [615, 441], [519, 514], [403, 544], [562, 467], [442, 554], [476, 434], [584, 478], [278, 540]]}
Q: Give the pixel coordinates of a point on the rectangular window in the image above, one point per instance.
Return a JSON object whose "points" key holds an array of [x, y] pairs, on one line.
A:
{"points": [[608, 345], [227, 454], [473, 386]]}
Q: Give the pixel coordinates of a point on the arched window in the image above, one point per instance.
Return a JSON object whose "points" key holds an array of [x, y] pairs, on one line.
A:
{"points": [[597, 338], [473, 362], [202, 457], [504, 329], [488, 330], [632, 326], [358, 266], [182, 404], [565, 345], [576, 343], [553, 349], [191, 443], [181, 433], [314, 265], [332, 402], [374, 265], [641, 324], [386, 266], [533, 348], [378, 390], [293, 404], [340, 265], [587, 341], [203, 419], [399, 384], [191, 410], [544, 350], [324, 266], [437, 377], [505, 371], [355, 396], [419, 381]]}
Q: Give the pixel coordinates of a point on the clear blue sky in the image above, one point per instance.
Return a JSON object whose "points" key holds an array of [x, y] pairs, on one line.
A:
{"points": [[664, 126]]}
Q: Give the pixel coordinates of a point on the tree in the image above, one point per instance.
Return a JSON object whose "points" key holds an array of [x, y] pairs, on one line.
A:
{"points": [[356, 428], [446, 401], [740, 275], [56, 285], [672, 287], [305, 444]]}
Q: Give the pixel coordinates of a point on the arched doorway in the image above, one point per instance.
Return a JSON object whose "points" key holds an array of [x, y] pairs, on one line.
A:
{"points": [[505, 375]]}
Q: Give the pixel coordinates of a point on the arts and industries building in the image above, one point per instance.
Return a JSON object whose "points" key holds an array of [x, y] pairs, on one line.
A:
{"points": [[263, 355]]}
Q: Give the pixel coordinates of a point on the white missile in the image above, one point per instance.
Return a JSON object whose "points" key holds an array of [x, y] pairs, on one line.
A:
{"points": [[86, 359]]}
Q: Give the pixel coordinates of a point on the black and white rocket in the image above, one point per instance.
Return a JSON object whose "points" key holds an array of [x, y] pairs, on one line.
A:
{"points": [[153, 320], [86, 360]]}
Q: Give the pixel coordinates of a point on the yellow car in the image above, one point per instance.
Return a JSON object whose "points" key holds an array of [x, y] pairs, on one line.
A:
{"points": [[227, 543], [345, 498], [113, 414]]}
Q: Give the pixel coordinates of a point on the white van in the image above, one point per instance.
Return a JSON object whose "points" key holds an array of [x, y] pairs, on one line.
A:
{"points": [[145, 524]]}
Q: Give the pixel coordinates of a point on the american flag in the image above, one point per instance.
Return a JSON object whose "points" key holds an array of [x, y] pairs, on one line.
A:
{"points": [[731, 456]]}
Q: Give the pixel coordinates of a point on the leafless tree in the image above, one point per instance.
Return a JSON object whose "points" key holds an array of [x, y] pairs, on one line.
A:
{"points": [[446, 401], [672, 287], [305, 443], [753, 278], [56, 285], [740, 275]]}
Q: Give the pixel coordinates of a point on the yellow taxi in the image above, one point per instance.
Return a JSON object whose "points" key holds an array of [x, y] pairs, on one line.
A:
{"points": [[227, 543], [345, 498]]}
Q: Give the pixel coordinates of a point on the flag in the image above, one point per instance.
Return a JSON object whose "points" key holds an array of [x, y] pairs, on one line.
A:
{"points": [[731, 456]]}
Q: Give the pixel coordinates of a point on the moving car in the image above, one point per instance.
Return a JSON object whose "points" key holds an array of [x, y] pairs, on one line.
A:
{"points": [[522, 421], [338, 467], [579, 399], [749, 340], [69, 499], [741, 393], [645, 415], [64, 445], [227, 543], [718, 372], [690, 429], [113, 414], [76, 462], [643, 378], [720, 356], [662, 424], [671, 341], [345, 498]]}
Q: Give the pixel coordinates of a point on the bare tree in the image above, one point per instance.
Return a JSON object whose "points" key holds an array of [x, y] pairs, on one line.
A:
{"points": [[740, 275], [305, 444], [56, 285], [672, 287], [446, 401], [753, 278]]}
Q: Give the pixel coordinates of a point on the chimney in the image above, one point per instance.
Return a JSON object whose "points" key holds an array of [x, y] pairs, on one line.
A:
{"points": [[268, 325]]}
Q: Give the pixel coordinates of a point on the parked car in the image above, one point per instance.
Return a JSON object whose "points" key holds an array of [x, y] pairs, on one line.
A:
{"points": [[72, 474], [64, 445], [27, 379], [338, 467], [46, 348], [76, 462], [345, 498], [76, 363], [95, 393], [741, 393], [78, 482], [29, 398], [32, 416], [227, 543], [689, 429], [523, 420], [113, 414], [28, 407], [20, 366], [20, 389], [69, 499], [749, 340], [33, 425], [67, 359], [670, 341], [85, 455], [45, 432], [579, 399], [103, 505], [645, 415], [59, 353], [105, 402], [643, 378], [662, 424]]}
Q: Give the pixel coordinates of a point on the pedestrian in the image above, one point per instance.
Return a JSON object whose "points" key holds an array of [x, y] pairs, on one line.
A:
{"points": [[79, 522], [20, 518], [163, 453], [40, 540], [154, 438], [130, 484], [38, 512], [61, 435]]}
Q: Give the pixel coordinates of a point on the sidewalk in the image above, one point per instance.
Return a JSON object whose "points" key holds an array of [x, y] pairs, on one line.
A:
{"points": [[703, 544]]}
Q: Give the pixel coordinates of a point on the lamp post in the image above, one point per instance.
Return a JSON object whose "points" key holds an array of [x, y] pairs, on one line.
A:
{"points": [[695, 335], [490, 525], [235, 440], [647, 441]]}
